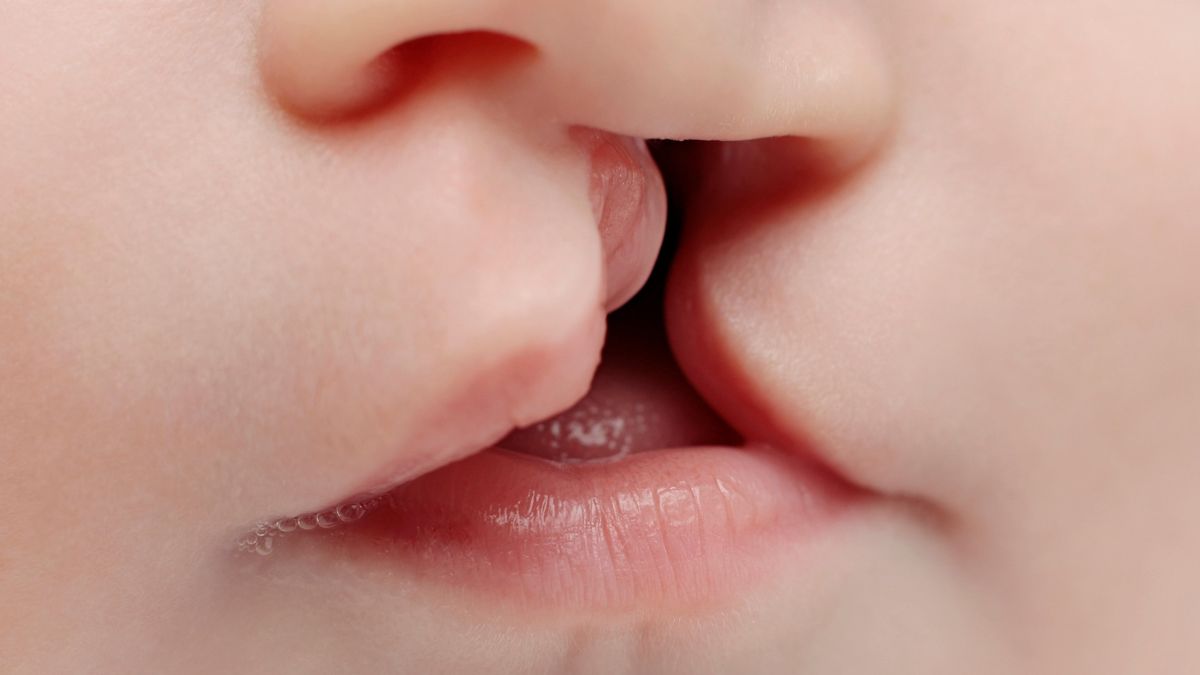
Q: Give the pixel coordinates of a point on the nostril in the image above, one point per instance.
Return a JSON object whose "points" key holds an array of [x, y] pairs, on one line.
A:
{"points": [[478, 52], [402, 70]]}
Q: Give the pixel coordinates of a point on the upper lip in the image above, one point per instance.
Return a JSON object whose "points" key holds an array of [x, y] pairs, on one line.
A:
{"points": [[550, 377], [532, 385], [531, 376], [723, 322]]}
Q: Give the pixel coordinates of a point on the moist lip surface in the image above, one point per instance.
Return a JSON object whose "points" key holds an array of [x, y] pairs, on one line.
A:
{"points": [[669, 528], [638, 495]]}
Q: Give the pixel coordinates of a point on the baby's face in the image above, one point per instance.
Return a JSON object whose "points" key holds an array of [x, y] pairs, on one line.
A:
{"points": [[258, 257]]}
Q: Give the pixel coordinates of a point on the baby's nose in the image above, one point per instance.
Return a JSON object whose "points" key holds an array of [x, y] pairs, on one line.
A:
{"points": [[707, 69], [456, 258]]}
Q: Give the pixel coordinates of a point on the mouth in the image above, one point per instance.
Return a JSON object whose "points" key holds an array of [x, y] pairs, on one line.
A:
{"points": [[640, 494]]}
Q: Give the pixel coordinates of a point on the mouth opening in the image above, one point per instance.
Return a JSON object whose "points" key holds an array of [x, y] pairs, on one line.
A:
{"points": [[639, 400]]}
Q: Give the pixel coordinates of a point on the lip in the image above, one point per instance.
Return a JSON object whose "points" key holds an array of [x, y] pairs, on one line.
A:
{"points": [[673, 527], [629, 204], [683, 528]]}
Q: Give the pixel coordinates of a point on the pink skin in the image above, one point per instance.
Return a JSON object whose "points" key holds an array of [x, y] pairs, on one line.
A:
{"points": [[255, 256]]}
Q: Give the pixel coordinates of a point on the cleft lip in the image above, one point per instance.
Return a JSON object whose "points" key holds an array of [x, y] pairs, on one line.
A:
{"points": [[509, 375], [687, 524], [639, 401], [629, 203], [553, 377]]}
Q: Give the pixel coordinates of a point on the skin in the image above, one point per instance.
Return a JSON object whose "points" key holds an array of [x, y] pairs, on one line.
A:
{"points": [[224, 292]]}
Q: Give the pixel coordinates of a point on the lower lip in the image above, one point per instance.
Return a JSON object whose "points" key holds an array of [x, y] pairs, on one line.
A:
{"points": [[676, 528]]}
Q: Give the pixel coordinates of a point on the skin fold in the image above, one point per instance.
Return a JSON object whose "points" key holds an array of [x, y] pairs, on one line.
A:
{"points": [[252, 252]]}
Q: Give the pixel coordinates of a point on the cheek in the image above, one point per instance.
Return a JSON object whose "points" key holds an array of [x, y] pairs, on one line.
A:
{"points": [[207, 294], [270, 329], [999, 296]]}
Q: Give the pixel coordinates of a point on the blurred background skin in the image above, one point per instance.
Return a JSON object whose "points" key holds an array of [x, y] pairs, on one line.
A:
{"points": [[205, 270]]}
